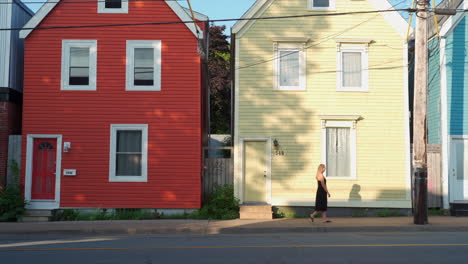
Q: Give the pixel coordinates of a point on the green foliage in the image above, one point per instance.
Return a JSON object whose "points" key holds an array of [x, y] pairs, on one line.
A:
{"points": [[222, 205], [103, 214], [65, 215], [12, 203], [219, 80], [360, 213], [389, 213], [437, 211]]}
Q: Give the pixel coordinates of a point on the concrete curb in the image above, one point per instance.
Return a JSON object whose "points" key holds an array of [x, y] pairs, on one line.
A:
{"points": [[207, 230]]}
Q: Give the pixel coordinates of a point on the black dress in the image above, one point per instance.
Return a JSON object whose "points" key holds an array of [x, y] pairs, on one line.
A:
{"points": [[321, 200]]}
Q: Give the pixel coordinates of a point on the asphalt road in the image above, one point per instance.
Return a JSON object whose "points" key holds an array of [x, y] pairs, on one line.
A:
{"points": [[423, 247]]}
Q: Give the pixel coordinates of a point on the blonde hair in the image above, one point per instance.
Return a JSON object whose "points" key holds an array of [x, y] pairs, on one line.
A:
{"points": [[320, 168]]}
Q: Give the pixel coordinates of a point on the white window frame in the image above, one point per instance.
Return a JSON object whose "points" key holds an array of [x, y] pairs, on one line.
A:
{"points": [[103, 10], [67, 44], [131, 45], [364, 71], [351, 124], [290, 46], [113, 149], [331, 7]]}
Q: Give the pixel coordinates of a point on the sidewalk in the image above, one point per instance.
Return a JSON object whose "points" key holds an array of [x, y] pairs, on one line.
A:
{"points": [[205, 227]]}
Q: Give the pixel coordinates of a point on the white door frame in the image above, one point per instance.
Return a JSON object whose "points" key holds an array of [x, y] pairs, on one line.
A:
{"points": [[267, 141], [42, 204], [452, 165]]}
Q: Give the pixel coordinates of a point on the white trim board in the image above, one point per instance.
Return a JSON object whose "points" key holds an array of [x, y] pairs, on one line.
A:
{"points": [[50, 5], [258, 8], [42, 204], [114, 128], [344, 203]]}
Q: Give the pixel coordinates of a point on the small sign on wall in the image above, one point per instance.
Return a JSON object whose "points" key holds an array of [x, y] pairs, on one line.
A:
{"points": [[69, 172]]}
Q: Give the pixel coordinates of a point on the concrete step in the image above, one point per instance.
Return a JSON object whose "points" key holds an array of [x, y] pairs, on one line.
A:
{"points": [[29, 219], [256, 215], [460, 213], [36, 215], [37, 212], [255, 208]]}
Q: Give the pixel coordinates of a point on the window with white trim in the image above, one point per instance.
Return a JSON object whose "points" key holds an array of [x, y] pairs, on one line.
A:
{"points": [[339, 148], [352, 69], [323, 5], [113, 6], [79, 64], [128, 153], [143, 65], [290, 66]]}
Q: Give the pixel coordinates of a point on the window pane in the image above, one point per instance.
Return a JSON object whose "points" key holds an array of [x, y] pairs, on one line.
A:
{"points": [[113, 3], [338, 152], [352, 69], [128, 165], [144, 66], [129, 141], [321, 3], [79, 66], [289, 68]]}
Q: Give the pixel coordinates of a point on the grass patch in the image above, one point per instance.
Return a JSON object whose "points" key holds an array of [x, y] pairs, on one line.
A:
{"points": [[437, 211]]}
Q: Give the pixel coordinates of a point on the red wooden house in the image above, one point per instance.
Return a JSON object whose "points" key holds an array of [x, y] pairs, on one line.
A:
{"points": [[113, 116]]}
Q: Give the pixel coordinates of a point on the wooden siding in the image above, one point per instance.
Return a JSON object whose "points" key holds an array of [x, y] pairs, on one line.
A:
{"points": [[434, 179], [5, 22], [292, 117], [11, 46], [19, 18], [457, 80], [433, 90], [84, 118]]}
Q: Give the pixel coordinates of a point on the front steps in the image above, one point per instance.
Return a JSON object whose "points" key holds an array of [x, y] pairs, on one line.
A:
{"points": [[35, 215], [459, 209], [256, 212]]}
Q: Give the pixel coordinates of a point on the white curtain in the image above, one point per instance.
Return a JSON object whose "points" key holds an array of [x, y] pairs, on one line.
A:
{"points": [[144, 65], [129, 153], [79, 62], [289, 67], [338, 152], [352, 69]]}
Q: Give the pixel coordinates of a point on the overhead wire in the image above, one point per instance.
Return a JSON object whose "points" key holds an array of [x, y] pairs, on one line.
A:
{"points": [[214, 20]]}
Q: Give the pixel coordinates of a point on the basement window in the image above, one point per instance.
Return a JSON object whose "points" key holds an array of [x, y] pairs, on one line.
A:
{"points": [[113, 6]]}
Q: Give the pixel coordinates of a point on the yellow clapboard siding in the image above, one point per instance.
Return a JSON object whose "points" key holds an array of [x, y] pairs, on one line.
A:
{"points": [[292, 117]]}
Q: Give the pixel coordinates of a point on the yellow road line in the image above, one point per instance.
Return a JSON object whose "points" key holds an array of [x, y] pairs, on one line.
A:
{"points": [[234, 247]]}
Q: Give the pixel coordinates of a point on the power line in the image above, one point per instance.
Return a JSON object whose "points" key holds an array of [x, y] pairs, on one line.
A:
{"points": [[78, 2], [215, 20]]}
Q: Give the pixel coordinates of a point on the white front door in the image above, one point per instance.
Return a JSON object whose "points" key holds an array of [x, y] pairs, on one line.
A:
{"points": [[459, 170]]}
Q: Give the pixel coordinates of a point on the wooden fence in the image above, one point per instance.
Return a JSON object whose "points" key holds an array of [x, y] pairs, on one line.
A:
{"points": [[434, 183], [218, 169]]}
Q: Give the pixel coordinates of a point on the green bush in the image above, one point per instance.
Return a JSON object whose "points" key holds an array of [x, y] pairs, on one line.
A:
{"points": [[12, 204], [66, 215], [222, 205]]}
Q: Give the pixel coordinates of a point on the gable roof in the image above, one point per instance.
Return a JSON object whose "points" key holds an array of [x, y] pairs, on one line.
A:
{"points": [[393, 18], [50, 5]]}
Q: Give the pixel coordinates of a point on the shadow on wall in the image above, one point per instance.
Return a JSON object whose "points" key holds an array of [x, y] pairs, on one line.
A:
{"points": [[354, 194]]}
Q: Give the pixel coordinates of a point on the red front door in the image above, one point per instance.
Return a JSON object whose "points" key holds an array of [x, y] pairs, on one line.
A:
{"points": [[44, 169]]}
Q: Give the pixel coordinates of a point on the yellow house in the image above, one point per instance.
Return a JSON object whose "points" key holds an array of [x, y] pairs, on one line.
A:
{"points": [[324, 85]]}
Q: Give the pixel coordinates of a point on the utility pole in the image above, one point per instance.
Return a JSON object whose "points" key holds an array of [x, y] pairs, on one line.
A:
{"points": [[419, 114]]}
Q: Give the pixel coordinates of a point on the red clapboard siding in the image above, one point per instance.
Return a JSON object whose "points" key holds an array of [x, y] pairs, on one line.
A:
{"points": [[84, 117]]}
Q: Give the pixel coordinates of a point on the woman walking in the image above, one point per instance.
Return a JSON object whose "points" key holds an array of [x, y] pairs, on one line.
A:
{"points": [[321, 199]]}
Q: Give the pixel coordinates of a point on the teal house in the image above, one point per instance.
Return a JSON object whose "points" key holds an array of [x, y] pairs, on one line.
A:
{"points": [[447, 102]]}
